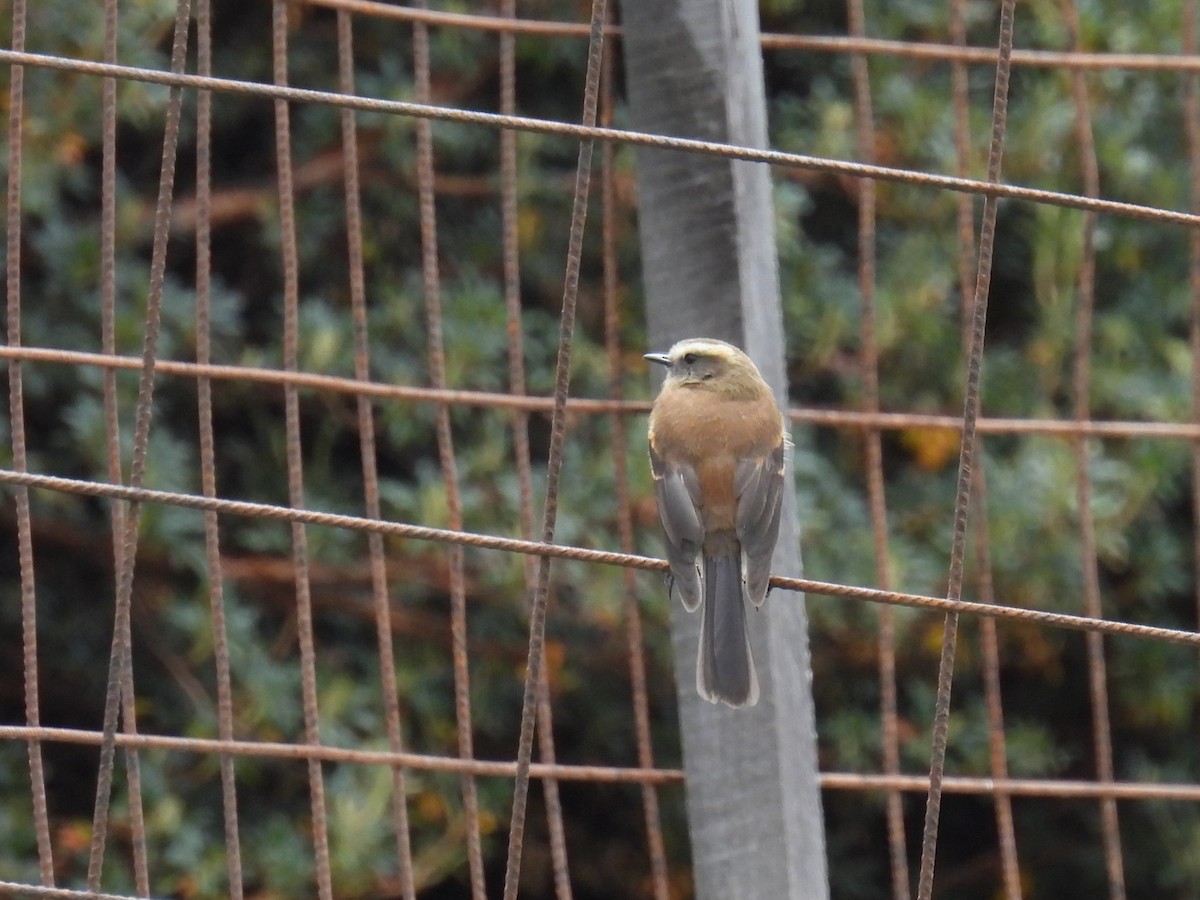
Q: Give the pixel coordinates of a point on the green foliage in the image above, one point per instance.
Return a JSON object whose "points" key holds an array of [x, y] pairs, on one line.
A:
{"points": [[1140, 489], [1140, 370]]}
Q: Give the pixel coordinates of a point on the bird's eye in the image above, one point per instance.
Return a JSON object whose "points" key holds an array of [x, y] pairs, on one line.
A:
{"points": [[689, 358]]}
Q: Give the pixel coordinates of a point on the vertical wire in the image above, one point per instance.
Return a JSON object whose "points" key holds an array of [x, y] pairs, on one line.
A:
{"points": [[1192, 132], [16, 407], [554, 815], [512, 284], [446, 456], [520, 424], [964, 202], [108, 281], [962, 502], [562, 383], [367, 445], [1097, 669], [989, 643], [295, 465], [119, 692], [990, 656], [112, 425], [877, 498], [208, 474], [616, 390]]}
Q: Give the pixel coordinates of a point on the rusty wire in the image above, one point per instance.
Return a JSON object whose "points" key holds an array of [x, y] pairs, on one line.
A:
{"points": [[871, 421], [826, 418], [430, 283], [289, 254], [16, 411], [112, 426], [549, 550], [966, 461], [27, 890], [1082, 385], [207, 446], [366, 429], [520, 426], [519, 420], [873, 444], [119, 694], [512, 289], [655, 844], [562, 381], [592, 132], [329, 753], [852, 781], [988, 636], [1191, 110], [838, 44], [990, 664]]}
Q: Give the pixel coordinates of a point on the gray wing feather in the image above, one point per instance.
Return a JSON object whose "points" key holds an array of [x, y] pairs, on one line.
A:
{"points": [[676, 489], [758, 484]]}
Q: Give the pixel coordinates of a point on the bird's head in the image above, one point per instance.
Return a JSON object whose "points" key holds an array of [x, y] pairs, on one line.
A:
{"points": [[709, 364]]}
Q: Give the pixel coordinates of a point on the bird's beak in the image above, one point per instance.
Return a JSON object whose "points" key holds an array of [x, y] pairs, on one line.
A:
{"points": [[661, 358]]}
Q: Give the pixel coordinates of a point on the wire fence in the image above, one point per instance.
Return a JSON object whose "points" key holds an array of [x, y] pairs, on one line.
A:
{"points": [[135, 494]]}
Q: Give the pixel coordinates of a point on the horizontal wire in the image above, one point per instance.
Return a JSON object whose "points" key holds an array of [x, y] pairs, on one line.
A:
{"points": [[21, 889], [775, 41], [592, 132], [327, 753], [843, 781], [582, 554], [1049, 427], [1055, 59], [833, 418], [533, 403], [472, 21], [1016, 787]]}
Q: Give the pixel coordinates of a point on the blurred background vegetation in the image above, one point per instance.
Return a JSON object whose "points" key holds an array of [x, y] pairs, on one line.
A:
{"points": [[1141, 371]]}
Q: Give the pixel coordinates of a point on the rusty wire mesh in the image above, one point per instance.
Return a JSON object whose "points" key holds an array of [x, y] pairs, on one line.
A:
{"points": [[128, 492]]}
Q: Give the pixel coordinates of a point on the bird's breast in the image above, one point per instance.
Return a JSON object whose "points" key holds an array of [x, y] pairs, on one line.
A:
{"points": [[712, 433], [689, 424]]}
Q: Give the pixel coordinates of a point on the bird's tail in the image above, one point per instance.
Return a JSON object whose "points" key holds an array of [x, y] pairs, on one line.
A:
{"points": [[725, 668]]}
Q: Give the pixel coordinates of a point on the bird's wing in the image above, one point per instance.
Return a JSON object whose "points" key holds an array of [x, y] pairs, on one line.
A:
{"points": [[758, 486], [677, 491]]}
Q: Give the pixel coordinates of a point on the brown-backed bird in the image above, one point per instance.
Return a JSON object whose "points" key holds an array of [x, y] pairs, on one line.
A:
{"points": [[717, 445]]}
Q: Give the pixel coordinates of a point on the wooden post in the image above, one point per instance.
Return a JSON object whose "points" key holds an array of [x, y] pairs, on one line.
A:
{"points": [[694, 69]]}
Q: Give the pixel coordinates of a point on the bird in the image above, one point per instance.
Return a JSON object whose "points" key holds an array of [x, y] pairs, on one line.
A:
{"points": [[718, 446]]}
